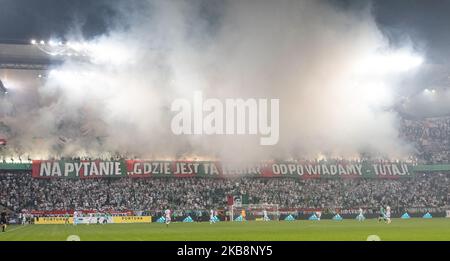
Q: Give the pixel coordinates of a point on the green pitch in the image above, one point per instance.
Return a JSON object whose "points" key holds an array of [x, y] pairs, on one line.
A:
{"points": [[412, 229]]}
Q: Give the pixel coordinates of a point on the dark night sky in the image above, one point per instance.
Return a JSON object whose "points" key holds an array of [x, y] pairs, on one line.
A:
{"points": [[25, 19], [425, 22]]}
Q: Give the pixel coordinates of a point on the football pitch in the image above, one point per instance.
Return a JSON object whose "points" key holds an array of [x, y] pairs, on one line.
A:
{"points": [[436, 229]]}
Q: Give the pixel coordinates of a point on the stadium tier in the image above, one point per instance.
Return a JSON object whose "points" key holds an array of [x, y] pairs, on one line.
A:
{"points": [[418, 186], [420, 193], [430, 136]]}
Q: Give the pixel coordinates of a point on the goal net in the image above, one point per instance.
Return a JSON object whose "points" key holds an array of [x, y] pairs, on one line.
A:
{"points": [[258, 212]]}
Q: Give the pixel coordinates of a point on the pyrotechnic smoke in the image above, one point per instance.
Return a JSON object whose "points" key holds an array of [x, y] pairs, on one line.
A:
{"points": [[335, 99]]}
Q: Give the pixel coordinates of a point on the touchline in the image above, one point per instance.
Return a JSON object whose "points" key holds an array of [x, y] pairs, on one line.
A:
{"points": [[232, 117]]}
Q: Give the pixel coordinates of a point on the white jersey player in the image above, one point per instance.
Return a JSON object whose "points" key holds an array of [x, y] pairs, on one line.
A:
{"points": [[388, 214], [91, 219], [75, 218], [360, 216], [168, 218], [212, 217], [318, 215], [265, 216]]}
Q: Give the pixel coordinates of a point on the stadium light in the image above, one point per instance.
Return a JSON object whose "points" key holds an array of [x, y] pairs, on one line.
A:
{"points": [[429, 91], [59, 48], [396, 62], [404, 62]]}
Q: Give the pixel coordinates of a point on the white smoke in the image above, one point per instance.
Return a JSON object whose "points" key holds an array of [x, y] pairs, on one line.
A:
{"points": [[317, 59]]}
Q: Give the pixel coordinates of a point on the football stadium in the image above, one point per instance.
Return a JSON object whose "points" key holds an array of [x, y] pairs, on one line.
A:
{"points": [[151, 120]]}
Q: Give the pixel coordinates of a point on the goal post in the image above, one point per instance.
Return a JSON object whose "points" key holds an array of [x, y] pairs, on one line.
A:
{"points": [[254, 212]]}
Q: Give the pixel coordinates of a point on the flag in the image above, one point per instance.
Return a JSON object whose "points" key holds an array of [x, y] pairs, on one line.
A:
{"points": [[244, 199], [230, 200], [237, 201]]}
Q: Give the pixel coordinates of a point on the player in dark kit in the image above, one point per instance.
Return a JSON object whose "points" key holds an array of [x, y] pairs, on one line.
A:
{"points": [[67, 219], [3, 221], [382, 215]]}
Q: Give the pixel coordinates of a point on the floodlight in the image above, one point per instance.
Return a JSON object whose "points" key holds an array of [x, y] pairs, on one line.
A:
{"points": [[396, 62]]}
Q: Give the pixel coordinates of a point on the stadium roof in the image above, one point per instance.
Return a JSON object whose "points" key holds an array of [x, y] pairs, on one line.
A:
{"points": [[25, 57]]}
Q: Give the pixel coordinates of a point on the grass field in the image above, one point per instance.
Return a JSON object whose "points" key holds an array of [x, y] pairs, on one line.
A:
{"points": [[436, 229]]}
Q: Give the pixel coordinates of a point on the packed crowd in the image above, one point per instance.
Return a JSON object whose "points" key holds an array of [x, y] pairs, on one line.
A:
{"points": [[431, 137], [20, 191]]}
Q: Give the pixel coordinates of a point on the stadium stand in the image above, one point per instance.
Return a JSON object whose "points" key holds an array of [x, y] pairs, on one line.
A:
{"points": [[431, 136], [20, 191], [429, 190]]}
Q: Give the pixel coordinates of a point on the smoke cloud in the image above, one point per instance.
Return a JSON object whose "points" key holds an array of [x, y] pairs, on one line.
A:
{"points": [[314, 57]]}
